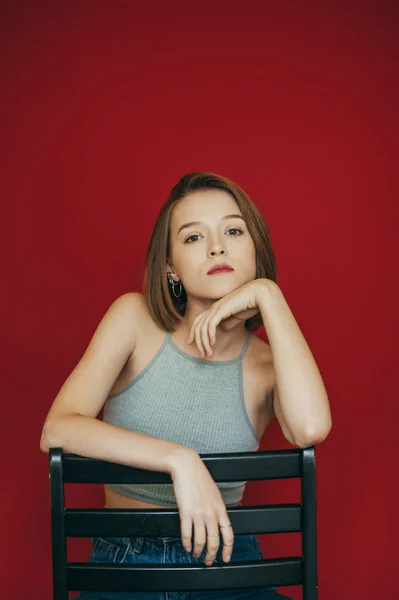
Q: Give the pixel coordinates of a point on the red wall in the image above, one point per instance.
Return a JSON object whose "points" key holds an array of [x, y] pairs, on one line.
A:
{"points": [[104, 106]]}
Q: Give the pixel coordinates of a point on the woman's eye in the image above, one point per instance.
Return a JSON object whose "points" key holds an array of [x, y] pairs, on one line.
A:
{"points": [[191, 236], [196, 235]]}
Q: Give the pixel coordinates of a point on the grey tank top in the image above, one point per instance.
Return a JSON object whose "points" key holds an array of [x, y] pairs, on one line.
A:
{"points": [[195, 402]]}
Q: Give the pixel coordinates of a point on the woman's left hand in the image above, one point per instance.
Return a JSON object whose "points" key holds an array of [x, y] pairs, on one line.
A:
{"points": [[240, 305]]}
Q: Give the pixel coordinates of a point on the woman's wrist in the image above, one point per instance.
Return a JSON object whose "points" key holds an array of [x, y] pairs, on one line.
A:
{"points": [[181, 457], [267, 293]]}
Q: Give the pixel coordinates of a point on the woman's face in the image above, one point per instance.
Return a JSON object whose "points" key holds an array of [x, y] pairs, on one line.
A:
{"points": [[206, 229]]}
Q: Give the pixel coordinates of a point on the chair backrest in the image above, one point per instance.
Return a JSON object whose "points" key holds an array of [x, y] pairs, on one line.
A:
{"points": [[259, 519]]}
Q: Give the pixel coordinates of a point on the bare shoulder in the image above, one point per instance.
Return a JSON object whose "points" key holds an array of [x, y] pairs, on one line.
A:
{"points": [[132, 310], [131, 301], [132, 305], [144, 332], [113, 342]]}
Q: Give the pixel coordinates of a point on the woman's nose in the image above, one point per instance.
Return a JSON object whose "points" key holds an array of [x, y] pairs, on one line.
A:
{"points": [[216, 250], [216, 245]]}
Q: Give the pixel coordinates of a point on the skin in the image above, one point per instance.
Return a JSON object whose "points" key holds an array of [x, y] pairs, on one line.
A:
{"points": [[195, 249], [217, 308]]}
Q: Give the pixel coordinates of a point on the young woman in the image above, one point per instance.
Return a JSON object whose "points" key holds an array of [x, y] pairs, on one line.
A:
{"points": [[181, 374]]}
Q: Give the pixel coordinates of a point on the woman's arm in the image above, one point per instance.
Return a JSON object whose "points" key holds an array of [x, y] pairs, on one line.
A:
{"points": [[300, 399], [71, 423]]}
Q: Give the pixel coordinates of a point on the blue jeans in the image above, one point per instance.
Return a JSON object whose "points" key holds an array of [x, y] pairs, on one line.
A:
{"points": [[169, 550]]}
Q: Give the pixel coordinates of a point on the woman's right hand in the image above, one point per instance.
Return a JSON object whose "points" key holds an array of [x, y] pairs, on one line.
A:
{"points": [[201, 505]]}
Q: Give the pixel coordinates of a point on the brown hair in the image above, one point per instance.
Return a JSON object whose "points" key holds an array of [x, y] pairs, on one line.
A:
{"points": [[163, 306]]}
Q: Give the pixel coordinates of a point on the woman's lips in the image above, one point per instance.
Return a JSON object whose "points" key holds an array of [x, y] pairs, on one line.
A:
{"points": [[221, 271]]}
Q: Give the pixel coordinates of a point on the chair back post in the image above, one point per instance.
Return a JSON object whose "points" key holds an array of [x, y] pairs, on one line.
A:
{"points": [[58, 539], [309, 526]]}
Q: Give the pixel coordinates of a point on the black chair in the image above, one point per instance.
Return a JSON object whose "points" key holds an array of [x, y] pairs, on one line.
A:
{"points": [[280, 518]]}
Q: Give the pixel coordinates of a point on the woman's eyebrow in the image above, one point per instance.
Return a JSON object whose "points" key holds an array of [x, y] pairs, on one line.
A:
{"points": [[235, 216]]}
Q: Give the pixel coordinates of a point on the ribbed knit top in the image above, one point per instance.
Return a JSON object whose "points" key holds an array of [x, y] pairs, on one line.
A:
{"points": [[191, 401]]}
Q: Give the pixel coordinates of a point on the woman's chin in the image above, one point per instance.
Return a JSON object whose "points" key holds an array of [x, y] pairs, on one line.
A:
{"points": [[219, 291]]}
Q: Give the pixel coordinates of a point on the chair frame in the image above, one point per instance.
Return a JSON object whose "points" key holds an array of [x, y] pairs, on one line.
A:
{"points": [[260, 519]]}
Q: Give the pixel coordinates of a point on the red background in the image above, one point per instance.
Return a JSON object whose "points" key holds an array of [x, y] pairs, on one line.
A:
{"points": [[104, 106]]}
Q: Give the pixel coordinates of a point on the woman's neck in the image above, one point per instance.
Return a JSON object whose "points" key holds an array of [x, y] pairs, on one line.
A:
{"points": [[228, 343]]}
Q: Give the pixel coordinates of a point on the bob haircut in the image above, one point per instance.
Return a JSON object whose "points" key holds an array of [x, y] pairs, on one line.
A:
{"points": [[164, 307]]}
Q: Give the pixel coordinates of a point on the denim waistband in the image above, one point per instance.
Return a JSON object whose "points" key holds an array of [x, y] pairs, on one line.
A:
{"points": [[227, 506], [172, 538]]}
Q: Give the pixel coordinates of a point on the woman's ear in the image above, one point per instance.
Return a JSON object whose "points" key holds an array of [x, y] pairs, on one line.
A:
{"points": [[170, 272]]}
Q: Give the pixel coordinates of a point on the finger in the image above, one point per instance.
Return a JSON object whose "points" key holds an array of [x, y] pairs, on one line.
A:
{"points": [[227, 532], [198, 341], [204, 329], [212, 330], [212, 541], [195, 325], [199, 538], [207, 340], [186, 528], [191, 334], [214, 321]]}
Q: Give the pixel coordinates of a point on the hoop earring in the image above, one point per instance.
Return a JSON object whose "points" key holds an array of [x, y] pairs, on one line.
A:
{"points": [[174, 284]]}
